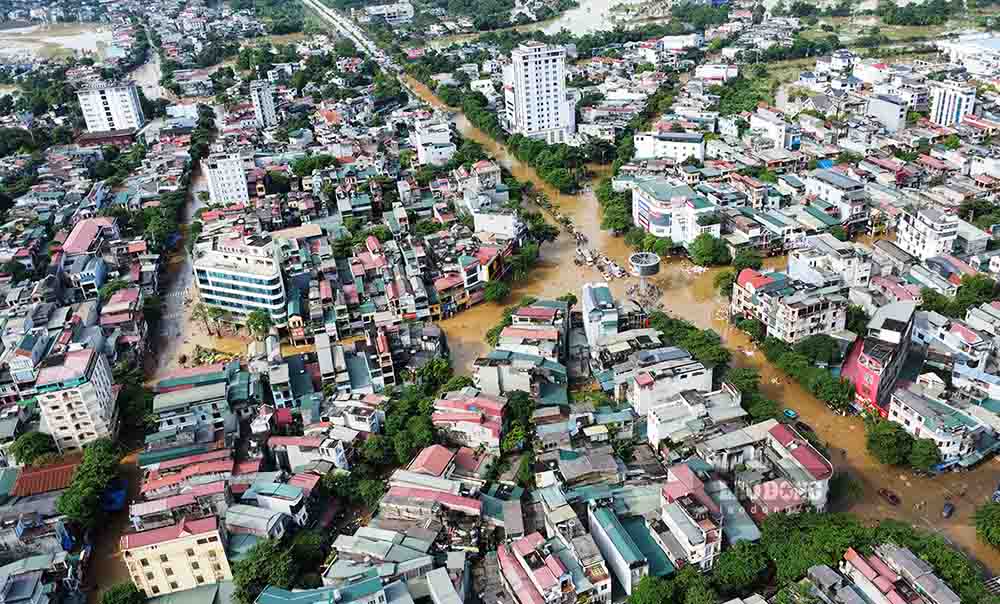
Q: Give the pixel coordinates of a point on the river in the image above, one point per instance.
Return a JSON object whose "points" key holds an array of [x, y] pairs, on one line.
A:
{"points": [[690, 294]]}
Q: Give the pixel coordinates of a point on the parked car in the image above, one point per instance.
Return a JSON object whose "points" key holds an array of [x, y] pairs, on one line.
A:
{"points": [[803, 427], [948, 509], [890, 497], [791, 413]]}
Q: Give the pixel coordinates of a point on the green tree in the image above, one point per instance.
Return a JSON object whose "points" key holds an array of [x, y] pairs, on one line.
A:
{"points": [[741, 568], [569, 298], [123, 593], [435, 374], [839, 232], [30, 446], [747, 259], [259, 323], [496, 291], [987, 519], [81, 501], [857, 320], [457, 382], [309, 548], [370, 491], [924, 455], [724, 282], [267, 563], [652, 590], [744, 379], [707, 250], [888, 442]]}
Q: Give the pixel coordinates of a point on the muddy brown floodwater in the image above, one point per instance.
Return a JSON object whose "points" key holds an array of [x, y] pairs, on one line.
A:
{"points": [[689, 293]]}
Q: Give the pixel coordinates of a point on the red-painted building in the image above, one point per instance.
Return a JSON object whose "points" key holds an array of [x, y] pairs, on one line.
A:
{"points": [[876, 360]]}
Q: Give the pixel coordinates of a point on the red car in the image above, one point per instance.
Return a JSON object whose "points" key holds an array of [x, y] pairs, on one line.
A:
{"points": [[890, 497]]}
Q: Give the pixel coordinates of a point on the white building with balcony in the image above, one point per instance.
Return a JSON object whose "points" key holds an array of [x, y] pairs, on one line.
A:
{"points": [[76, 399], [926, 232], [241, 275], [675, 211]]}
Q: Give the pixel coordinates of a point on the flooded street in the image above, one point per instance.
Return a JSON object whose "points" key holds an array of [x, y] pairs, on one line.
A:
{"points": [[148, 76], [690, 294]]}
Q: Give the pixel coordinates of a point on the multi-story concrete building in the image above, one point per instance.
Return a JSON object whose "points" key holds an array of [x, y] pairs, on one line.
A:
{"points": [[693, 520], [773, 127], [227, 178], [676, 146], [432, 140], [240, 275], [75, 398], [888, 110], [790, 310], [659, 375], [262, 96], [394, 13], [926, 232], [955, 433], [847, 194], [951, 101], [531, 574], [825, 260], [874, 363], [677, 212], [471, 418], [537, 102], [108, 106], [174, 558]]}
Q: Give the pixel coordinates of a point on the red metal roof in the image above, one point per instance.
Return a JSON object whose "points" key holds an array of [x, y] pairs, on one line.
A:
{"points": [[33, 481], [183, 528], [432, 460]]}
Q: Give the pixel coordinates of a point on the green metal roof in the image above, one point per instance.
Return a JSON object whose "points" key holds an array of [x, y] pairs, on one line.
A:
{"points": [[659, 564], [627, 548]]}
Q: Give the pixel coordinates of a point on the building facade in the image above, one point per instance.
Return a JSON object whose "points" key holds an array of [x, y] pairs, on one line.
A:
{"points": [[537, 102], [950, 102], [926, 232], [108, 106], [263, 104], [227, 178], [676, 146], [183, 556], [76, 399], [240, 275], [677, 212]]}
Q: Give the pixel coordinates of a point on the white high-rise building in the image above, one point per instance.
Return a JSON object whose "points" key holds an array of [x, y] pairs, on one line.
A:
{"points": [[950, 102], [263, 103], [537, 101], [75, 397], [241, 275], [227, 178], [108, 106]]}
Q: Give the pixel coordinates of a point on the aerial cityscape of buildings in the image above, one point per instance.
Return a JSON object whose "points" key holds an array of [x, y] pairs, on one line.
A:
{"points": [[299, 303]]}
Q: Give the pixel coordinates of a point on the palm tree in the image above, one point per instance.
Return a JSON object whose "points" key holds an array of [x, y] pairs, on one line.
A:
{"points": [[199, 312], [217, 315]]}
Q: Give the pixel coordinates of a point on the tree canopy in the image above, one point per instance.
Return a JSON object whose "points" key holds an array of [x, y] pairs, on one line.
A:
{"points": [[30, 446]]}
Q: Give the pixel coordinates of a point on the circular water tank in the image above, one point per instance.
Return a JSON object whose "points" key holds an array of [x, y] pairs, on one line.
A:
{"points": [[644, 264]]}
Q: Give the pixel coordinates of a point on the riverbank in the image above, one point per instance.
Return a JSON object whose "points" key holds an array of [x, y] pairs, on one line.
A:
{"points": [[689, 293], [52, 41]]}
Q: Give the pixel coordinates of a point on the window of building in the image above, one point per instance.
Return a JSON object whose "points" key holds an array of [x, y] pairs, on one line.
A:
{"points": [[168, 571], [149, 576], [173, 585], [144, 562], [194, 565], [199, 579], [155, 589], [163, 558], [190, 552]]}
